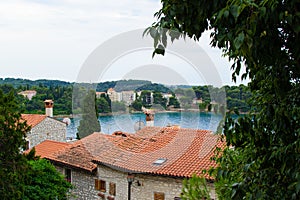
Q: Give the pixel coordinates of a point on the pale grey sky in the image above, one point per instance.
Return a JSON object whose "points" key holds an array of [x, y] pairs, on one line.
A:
{"points": [[52, 38]]}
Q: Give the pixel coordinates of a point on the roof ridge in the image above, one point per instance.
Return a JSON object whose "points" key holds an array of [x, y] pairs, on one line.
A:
{"points": [[33, 114], [54, 141]]}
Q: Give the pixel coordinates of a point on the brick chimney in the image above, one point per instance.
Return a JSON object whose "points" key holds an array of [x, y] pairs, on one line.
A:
{"points": [[49, 107], [149, 117]]}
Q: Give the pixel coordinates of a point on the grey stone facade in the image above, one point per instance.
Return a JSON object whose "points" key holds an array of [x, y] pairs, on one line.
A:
{"points": [[83, 182], [48, 129], [143, 187]]}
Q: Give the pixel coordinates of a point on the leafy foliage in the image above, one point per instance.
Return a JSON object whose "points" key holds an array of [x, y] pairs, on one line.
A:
{"points": [[103, 104], [261, 36], [237, 96], [137, 105], [12, 139], [173, 101], [45, 182], [23, 177], [195, 188], [155, 87], [159, 99]]}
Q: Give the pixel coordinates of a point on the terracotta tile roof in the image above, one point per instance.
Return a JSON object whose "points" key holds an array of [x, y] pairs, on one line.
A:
{"points": [[75, 155], [47, 148], [186, 151], [72, 154], [33, 119]]}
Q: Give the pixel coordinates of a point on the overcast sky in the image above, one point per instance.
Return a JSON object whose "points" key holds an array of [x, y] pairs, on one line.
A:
{"points": [[53, 38]]}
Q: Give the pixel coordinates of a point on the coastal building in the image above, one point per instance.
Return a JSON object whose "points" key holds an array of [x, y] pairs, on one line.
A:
{"points": [[43, 128], [150, 164], [113, 95], [147, 97], [197, 101], [28, 94], [128, 97], [167, 96]]}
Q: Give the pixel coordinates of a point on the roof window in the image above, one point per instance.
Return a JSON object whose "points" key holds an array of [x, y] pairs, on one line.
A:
{"points": [[160, 161]]}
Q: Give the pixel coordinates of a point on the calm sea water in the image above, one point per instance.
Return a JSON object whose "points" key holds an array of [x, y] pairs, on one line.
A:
{"points": [[126, 122]]}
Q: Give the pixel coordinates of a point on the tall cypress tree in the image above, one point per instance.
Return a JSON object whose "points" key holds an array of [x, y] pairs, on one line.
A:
{"points": [[89, 122]]}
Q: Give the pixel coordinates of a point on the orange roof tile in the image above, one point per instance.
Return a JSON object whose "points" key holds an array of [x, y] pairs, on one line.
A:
{"points": [[33, 119], [72, 154], [77, 156], [186, 151], [47, 148]]}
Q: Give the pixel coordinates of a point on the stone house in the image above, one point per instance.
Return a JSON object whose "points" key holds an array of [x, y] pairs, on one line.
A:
{"points": [[148, 165], [43, 128]]}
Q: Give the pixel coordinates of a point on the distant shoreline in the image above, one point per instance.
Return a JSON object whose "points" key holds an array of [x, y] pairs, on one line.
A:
{"points": [[134, 112]]}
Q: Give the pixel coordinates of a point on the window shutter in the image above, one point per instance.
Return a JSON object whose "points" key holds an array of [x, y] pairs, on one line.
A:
{"points": [[159, 196], [102, 186], [97, 184], [112, 189]]}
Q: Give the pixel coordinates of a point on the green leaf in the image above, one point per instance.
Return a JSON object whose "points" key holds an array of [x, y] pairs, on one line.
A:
{"points": [[234, 10], [238, 41], [226, 13]]}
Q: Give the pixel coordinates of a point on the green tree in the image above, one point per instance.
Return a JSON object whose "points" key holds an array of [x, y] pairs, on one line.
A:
{"points": [[12, 140], [89, 122], [146, 98], [173, 101], [261, 36], [23, 177], [102, 105], [159, 99], [195, 188], [137, 105], [202, 92], [203, 106], [45, 182]]}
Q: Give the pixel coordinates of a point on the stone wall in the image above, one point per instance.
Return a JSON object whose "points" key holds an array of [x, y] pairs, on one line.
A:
{"points": [[48, 129], [170, 187], [113, 176], [144, 186], [83, 182]]}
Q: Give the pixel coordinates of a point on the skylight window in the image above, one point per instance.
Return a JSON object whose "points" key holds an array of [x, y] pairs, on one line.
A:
{"points": [[160, 161]]}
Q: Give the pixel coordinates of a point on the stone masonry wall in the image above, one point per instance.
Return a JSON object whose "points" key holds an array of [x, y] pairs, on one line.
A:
{"points": [[148, 185], [171, 187], [48, 129], [83, 182], [113, 176]]}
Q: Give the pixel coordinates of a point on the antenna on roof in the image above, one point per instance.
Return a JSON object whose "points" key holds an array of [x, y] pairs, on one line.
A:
{"points": [[139, 125]]}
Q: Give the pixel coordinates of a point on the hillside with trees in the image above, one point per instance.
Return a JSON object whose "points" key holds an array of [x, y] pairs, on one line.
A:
{"points": [[68, 97]]}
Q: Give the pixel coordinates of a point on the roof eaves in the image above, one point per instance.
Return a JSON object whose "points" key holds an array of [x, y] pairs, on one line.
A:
{"points": [[91, 170], [118, 168]]}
